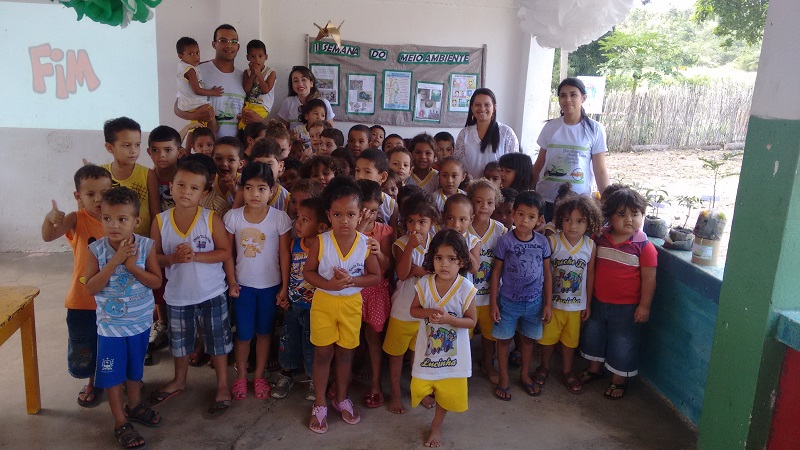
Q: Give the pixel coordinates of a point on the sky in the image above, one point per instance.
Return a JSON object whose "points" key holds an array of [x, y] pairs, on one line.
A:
{"points": [[666, 5]]}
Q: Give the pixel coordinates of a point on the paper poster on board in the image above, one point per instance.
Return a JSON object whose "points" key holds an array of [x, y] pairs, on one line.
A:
{"points": [[462, 86], [397, 90], [360, 93], [327, 76], [595, 93], [428, 101]]}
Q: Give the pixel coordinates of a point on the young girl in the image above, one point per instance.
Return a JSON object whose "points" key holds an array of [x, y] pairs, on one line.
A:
{"points": [[392, 185], [445, 302], [376, 298], [339, 264], [345, 164], [451, 174], [302, 88], [485, 196], [409, 255], [572, 148], [313, 111], [625, 280], [505, 209], [423, 154], [320, 168], [403, 194], [250, 134], [516, 171], [564, 191], [457, 214], [572, 257], [260, 236], [278, 132]]}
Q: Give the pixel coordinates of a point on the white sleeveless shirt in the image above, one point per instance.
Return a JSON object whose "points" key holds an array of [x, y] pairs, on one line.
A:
{"points": [[430, 183], [404, 293], [482, 278], [388, 206], [442, 351], [190, 283], [330, 256], [569, 271]]}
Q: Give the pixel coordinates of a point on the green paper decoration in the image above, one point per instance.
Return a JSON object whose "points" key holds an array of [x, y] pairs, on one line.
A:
{"points": [[113, 12]]}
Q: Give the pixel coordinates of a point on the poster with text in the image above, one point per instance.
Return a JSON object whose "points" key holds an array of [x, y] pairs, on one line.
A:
{"points": [[327, 76], [428, 102], [360, 93], [397, 90], [462, 85]]}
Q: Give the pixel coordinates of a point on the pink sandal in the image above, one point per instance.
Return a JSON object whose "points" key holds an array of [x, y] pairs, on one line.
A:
{"points": [[347, 405], [320, 413], [239, 389], [261, 388]]}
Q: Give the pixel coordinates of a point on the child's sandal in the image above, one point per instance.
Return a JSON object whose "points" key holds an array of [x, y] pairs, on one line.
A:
{"points": [[239, 389], [320, 413], [261, 388], [347, 406], [540, 376], [127, 437]]}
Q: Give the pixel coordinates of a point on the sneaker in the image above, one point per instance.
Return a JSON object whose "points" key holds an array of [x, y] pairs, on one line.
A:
{"points": [[310, 395], [282, 387], [158, 334]]}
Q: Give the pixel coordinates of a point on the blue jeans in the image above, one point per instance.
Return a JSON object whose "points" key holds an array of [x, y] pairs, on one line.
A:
{"points": [[610, 335], [526, 315], [296, 350], [82, 342]]}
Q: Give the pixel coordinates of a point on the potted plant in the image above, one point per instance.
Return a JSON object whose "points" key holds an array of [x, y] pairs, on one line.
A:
{"points": [[680, 237], [711, 223], [655, 226]]}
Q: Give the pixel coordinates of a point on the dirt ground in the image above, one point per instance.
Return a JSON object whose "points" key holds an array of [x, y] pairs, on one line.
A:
{"points": [[679, 172]]}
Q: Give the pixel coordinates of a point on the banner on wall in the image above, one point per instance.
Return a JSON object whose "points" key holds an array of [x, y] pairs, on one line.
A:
{"points": [[403, 85]]}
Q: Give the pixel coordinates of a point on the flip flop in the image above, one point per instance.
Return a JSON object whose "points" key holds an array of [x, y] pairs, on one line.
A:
{"points": [[217, 409], [159, 397], [373, 400], [587, 376], [92, 396], [615, 387], [506, 390], [540, 375], [320, 413], [533, 389], [347, 405], [572, 383]]}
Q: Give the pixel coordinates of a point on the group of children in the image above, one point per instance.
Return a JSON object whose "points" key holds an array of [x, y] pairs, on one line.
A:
{"points": [[383, 238]]}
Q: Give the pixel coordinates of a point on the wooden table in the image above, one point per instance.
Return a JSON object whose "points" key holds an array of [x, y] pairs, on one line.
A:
{"points": [[16, 313]]}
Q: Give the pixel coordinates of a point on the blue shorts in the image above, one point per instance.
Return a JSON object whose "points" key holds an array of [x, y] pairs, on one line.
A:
{"points": [[527, 314], [120, 359], [295, 349], [254, 312], [611, 336], [82, 342], [215, 327]]}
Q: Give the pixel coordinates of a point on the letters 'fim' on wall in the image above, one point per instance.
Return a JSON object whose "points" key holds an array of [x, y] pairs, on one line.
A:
{"points": [[405, 85]]}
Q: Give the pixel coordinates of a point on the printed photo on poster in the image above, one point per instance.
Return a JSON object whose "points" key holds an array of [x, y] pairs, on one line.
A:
{"points": [[428, 102], [327, 76], [595, 93], [360, 93], [462, 85], [397, 90]]}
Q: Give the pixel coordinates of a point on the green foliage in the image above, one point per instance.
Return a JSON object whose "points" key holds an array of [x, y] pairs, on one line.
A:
{"points": [[656, 198], [689, 202], [737, 20], [716, 165]]}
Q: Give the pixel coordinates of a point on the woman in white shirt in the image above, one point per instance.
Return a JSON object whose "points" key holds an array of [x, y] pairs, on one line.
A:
{"points": [[483, 139], [302, 88]]}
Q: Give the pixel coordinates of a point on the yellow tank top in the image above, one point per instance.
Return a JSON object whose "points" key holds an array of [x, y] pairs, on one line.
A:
{"points": [[137, 182]]}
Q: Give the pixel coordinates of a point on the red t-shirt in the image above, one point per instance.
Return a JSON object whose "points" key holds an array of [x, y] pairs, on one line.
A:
{"points": [[618, 275]]}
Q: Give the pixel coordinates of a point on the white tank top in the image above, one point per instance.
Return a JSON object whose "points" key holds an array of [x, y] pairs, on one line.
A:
{"points": [[387, 208], [430, 183], [330, 256], [569, 271], [404, 294], [442, 351], [481, 279], [194, 282], [256, 96]]}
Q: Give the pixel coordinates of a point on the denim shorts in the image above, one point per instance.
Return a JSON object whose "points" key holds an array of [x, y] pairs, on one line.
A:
{"points": [[528, 315], [295, 349], [610, 335], [254, 312], [120, 359], [82, 342], [212, 317]]}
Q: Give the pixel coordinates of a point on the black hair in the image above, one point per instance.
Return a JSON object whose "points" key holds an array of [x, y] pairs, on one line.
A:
{"points": [[311, 104], [257, 170], [394, 178], [292, 164], [121, 195], [370, 191], [264, 148], [319, 123], [509, 195], [335, 134], [90, 171], [406, 191], [184, 42], [624, 198], [359, 128], [491, 165], [393, 135], [420, 204], [531, 199], [564, 191], [586, 205], [341, 187], [610, 189], [317, 205], [577, 83], [453, 160], [400, 149], [450, 238], [522, 165], [202, 131], [255, 44], [306, 72], [114, 126], [444, 136], [317, 161], [422, 138], [233, 142], [311, 187], [342, 155], [198, 166], [163, 133], [251, 130], [492, 136], [483, 183], [224, 26], [376, 157], [456, 199], [377, 127]]}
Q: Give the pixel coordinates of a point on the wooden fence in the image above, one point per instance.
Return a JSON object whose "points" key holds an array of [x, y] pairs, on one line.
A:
{"points": [[685, 116]]}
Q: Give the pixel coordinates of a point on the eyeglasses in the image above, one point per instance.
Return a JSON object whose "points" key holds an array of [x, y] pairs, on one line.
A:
{"points": [[224, 41]]}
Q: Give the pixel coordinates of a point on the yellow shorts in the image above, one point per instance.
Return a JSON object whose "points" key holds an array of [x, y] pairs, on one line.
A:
{"points": [[401, 336], [451, 393], [565, 326], [335, 319], [259, 109], [485, 322]]}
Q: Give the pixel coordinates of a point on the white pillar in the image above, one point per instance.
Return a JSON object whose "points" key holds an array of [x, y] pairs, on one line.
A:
{"points": [[537, 95]]}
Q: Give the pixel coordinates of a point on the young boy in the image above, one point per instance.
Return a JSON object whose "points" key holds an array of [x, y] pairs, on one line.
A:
{"points": [[522, 262], [492, 173], [400, 163], [123, 140], [372, 164], [291, 173], [296, 350], [121, 272], [305, 188], [192, 94], [505, 210], [357, 139], [392, 141], [445, 146], [227, 155], [257, 80], [191, 242], [330, 139], [80, 228], [202, 141], [376, 134]]}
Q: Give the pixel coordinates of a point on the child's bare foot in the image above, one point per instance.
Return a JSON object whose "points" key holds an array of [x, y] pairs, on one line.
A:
{"points": [[435, 438], [428, 402], [491, 372], [396, 405]]}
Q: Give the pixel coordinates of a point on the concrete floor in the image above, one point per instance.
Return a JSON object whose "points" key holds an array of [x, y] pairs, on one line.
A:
{"points": [[557, 419]]}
